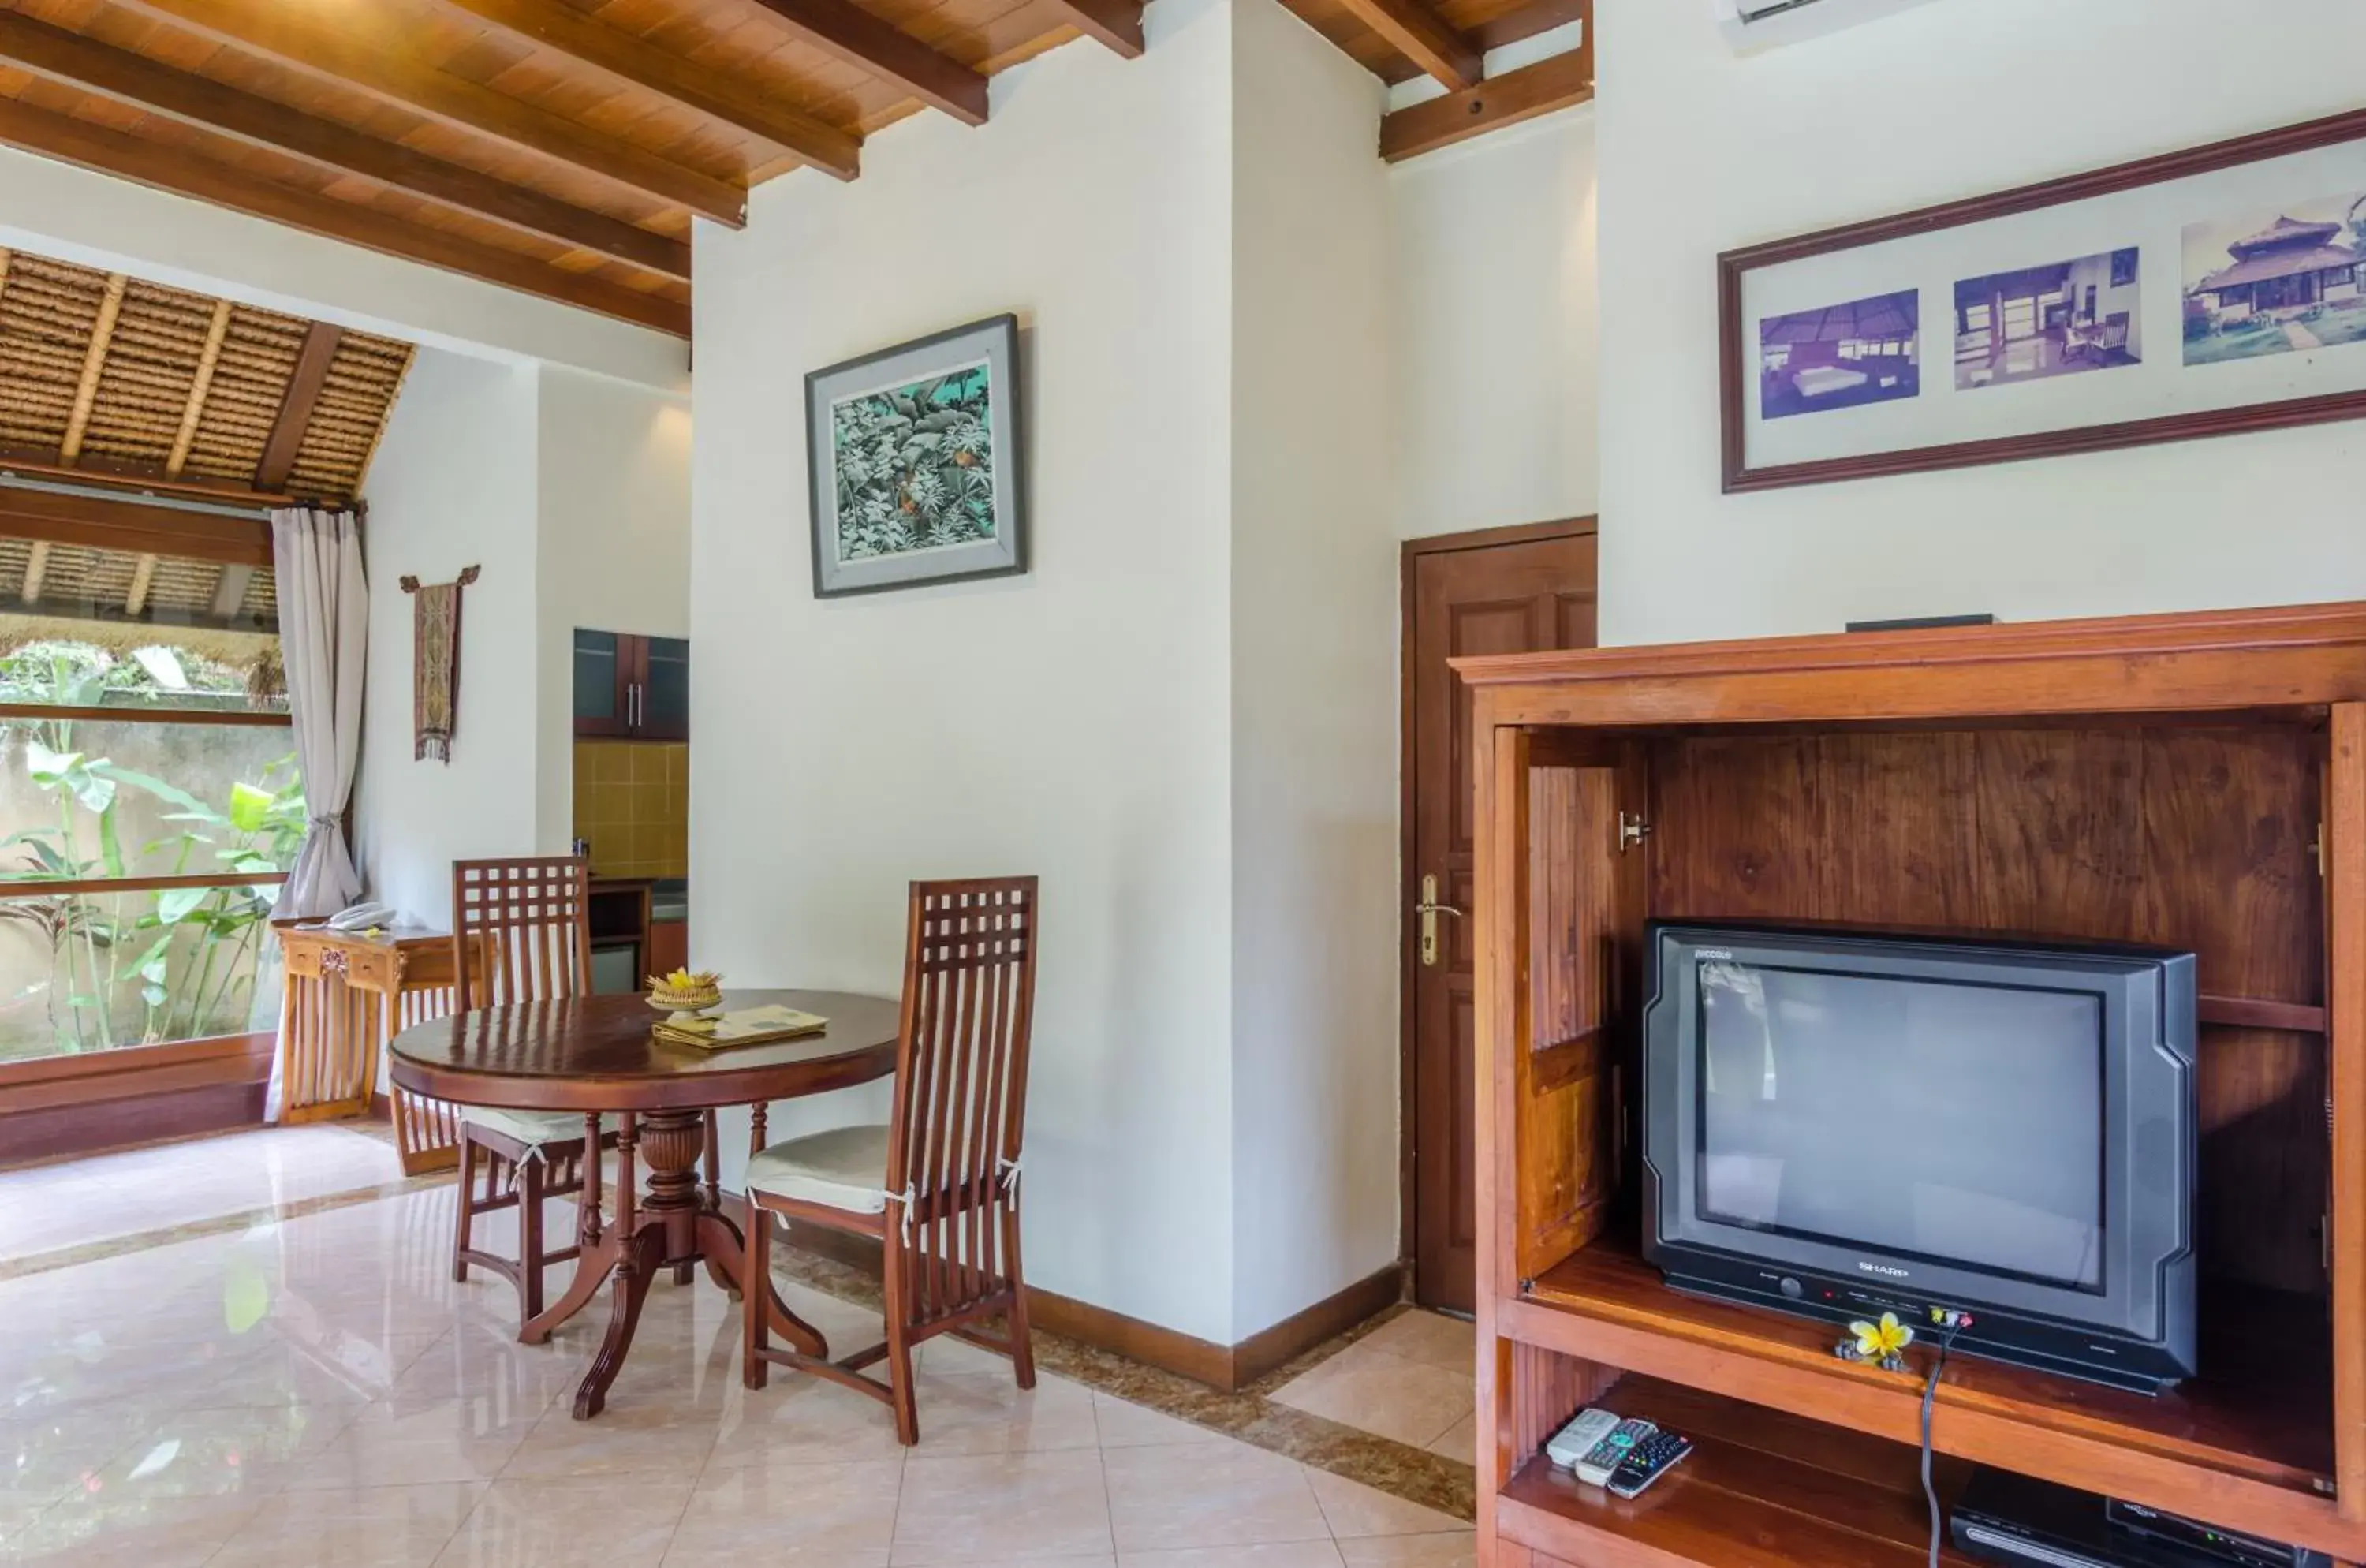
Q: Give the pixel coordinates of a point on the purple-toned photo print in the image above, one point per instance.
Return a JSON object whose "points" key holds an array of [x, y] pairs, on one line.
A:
{"points": [[1842, 357], [2053, 319]]}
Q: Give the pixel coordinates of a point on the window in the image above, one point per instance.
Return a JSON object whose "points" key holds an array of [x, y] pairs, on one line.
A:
{"points": [[149, 798], [1979, 317], [2124, 268], [2020, 320]]}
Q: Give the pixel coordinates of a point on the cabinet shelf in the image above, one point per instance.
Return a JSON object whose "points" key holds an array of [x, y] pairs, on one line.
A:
{"points": [[2196, 782], [2248, 1444], [1743, 1498]]}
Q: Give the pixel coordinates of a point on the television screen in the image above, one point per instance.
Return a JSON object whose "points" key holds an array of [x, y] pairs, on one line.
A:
{"points": [[1959, 1122]]}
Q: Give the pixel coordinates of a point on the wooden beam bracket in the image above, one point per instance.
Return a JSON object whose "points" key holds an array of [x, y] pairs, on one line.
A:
{"points": [[1114, 22], [844, 30], [1558, 82]]}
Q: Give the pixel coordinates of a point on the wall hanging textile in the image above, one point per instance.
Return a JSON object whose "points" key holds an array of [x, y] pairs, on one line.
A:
{"points": [[436, 664]]}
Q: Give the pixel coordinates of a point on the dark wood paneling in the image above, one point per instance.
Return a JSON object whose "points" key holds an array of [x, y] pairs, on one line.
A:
{"points": [[60, 1131], [2190, 838]]}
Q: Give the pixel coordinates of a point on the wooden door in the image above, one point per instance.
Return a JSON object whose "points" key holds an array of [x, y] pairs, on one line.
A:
{"points": [[1508, 591]]}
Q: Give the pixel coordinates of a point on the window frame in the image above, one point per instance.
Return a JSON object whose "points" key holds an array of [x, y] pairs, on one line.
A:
{"points": [[74, 1095]]}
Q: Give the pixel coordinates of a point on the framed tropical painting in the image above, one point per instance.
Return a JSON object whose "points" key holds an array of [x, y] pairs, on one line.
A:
{"points": [[915, 457]]}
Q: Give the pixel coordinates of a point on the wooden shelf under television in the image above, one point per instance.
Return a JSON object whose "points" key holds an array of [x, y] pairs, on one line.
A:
{"points": [[1749, 1496], [2249, 1445], [2193, 782]]}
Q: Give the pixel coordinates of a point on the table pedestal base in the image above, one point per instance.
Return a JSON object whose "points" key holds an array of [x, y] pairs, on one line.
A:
{"points": [[675, 1225]]}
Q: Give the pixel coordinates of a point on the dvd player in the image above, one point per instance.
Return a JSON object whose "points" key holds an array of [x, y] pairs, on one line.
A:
{"points": [[2006, 1518]]}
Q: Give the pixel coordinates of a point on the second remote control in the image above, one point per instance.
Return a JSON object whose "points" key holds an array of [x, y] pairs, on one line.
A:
{"points": [[1647, 1461], [1611, 1451]]}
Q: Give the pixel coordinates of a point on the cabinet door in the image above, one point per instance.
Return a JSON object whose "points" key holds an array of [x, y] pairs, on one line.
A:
{"points": [[664, 708], [602, 679]]}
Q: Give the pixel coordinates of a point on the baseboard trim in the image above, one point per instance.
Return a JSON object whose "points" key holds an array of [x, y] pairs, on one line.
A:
{"points": [[130, 1122], [1225, 1368], [1327, 1319]]}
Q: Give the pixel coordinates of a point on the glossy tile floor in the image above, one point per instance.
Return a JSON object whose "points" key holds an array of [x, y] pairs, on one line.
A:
{"points": [[80, 1200], [1413, 1380], [315, 1390]]}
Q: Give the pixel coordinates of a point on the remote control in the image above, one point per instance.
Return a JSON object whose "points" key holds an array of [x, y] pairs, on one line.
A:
{"points": [[1573, 1441], [1611, 1451], [1647, 1461]]}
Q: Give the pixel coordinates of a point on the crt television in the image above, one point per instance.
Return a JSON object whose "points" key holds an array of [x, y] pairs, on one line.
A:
{"points": [[1844, 1124]]}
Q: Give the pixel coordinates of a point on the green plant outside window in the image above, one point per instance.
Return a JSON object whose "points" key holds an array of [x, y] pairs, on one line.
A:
{"points": [[84, 800]]}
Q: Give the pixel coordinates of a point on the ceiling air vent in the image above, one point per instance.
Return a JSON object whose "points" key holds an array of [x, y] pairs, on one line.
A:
{"points": [[1750, 25]]}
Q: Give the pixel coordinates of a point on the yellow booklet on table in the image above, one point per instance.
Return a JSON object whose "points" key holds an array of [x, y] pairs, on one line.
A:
{"points": [[749, 1026]]}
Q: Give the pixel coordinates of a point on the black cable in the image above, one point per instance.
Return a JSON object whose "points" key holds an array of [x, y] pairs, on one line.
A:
{"points": [[1931, 1397]]}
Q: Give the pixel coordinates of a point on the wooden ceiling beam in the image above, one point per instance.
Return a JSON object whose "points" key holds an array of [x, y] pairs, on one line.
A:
{"points": [[1554, 82], [298, 404], [230, 590], [169, 168], [201, 383], [714, 93], [94, 364], [1424, 37], [143, 577], [842, 29], [359, 54], [209, 105], [1116, 23], [133, 477], [105, 523]]}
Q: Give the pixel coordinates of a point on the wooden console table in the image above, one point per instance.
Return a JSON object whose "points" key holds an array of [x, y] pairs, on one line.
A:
{"points": [[2194, 780], [346, 994]]}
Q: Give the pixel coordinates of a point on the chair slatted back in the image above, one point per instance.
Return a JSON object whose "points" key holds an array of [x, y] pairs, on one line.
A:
{"points": [[533, 914], [960, 1083]]}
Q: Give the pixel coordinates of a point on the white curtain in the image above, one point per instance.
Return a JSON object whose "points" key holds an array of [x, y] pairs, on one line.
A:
{"points": [[323, 637]]}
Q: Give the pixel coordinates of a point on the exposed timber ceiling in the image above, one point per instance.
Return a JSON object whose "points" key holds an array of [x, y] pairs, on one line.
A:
{"points": [[562, 147]]}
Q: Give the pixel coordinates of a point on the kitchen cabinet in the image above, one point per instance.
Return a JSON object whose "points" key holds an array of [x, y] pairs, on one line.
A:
{"points": [[630, 687]]}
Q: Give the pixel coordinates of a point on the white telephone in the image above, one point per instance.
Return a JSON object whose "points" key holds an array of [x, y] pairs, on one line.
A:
{"points": [[362, 917]]}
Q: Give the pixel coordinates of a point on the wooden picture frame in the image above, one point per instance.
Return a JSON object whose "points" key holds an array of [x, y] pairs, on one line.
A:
{"points": [[1750, 367], [943, 504]]}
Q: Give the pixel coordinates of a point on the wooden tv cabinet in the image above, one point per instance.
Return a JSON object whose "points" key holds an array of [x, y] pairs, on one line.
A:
{"points": [[2196, 781]]}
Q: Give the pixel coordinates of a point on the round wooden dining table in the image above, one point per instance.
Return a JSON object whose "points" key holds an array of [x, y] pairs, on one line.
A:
{"points": [[598, 1055]]}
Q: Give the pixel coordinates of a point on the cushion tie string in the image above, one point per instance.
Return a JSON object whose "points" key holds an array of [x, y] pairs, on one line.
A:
{"points": [[909, 1198]]}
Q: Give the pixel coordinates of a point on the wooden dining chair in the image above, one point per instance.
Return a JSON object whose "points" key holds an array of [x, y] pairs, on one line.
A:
{"points": [[939, 1184], [528, 922]]}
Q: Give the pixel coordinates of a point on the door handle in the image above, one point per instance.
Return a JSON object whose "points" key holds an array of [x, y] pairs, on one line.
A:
{"points": [[1429, 909]]}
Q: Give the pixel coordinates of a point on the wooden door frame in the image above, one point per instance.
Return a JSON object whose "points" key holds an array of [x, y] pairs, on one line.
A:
{"points": [[1409, 873]]}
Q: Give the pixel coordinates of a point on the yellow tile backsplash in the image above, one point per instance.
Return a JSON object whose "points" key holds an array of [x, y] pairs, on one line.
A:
{"points": [[632, 801]]}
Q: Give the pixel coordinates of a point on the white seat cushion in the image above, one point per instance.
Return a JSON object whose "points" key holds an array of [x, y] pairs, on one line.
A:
{"points": [[531, 1126], [845, 1168]]}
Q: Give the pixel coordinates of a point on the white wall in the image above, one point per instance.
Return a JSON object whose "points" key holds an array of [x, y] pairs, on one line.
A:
{"points": [[99, 221], [1313, 677], [1073, 722], [1702, 151], [1491, 252], [453, 486], [572, 493], [612, 511]]}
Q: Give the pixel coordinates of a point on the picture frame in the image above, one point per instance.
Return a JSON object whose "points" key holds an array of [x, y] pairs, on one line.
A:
{"points": [[2213, 291], [916, 458]]}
